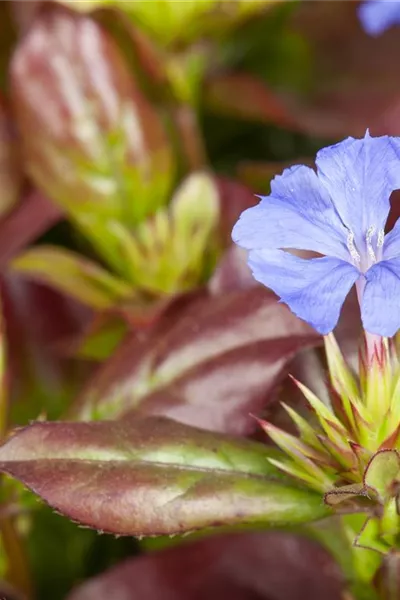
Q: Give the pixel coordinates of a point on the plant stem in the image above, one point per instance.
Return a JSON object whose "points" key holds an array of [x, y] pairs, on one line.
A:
{"points": [[190, 137]]}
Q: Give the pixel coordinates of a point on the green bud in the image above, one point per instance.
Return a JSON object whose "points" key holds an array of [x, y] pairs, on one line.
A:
{"points": [[173, 250]]}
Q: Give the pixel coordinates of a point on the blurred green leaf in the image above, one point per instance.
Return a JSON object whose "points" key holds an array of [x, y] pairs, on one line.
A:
{"points": [[365, 563], [383, 474], [358, 565], [72, 274], [171, 251], [177, 23], [152, 476], [101, 339], [185, 72]]}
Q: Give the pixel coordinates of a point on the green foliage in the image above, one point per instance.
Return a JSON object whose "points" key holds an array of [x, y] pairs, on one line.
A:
{"points": [[143, 129]]}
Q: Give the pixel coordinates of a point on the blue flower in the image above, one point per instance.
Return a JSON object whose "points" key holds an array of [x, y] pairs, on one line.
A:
{"points": [[339, 211], [378, 15]]}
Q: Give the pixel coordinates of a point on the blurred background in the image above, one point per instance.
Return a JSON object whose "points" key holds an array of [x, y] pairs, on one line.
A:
{"points": [[132, 135]]}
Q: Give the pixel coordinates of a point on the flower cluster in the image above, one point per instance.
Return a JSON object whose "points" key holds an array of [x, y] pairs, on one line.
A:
{"points": [[350, 450], [339, 211]]}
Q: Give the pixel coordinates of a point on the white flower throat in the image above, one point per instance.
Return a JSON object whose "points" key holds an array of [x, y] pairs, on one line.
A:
{"points": [[373, 248]]}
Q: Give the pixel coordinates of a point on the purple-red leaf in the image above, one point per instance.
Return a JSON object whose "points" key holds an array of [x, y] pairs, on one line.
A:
{"points": [[30, 219], [234, 198], [153, 476], [252, 566], [92, 141], [210, 363], [232, 272]]}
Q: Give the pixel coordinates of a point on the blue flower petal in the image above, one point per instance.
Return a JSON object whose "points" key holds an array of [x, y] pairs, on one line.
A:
{"points": [[391, 245], [380, 310], [298, 214], [378, 15], [313, 289], [360, 176]]}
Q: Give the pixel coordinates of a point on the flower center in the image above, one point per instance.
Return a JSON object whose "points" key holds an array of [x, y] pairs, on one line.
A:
{"points": [[369, 251]]}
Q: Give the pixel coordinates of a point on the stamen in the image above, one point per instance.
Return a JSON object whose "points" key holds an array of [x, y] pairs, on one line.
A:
{"points": [[381, 237], [368, 239], [352, 247]]}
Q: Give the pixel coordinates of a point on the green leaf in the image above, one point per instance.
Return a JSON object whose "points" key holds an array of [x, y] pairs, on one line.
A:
{"points": [[101, 338], [383, 474], [176, 23], [72, 274], [358, 565], [170, 252], [153, 476]]}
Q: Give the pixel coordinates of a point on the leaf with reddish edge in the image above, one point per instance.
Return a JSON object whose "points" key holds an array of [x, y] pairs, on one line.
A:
{"points": [[108, 329], [209, 363], [220, 395], [251, 566], [153, 476], [92, 141], [33, 216], [232, 272], [245, 96]]}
